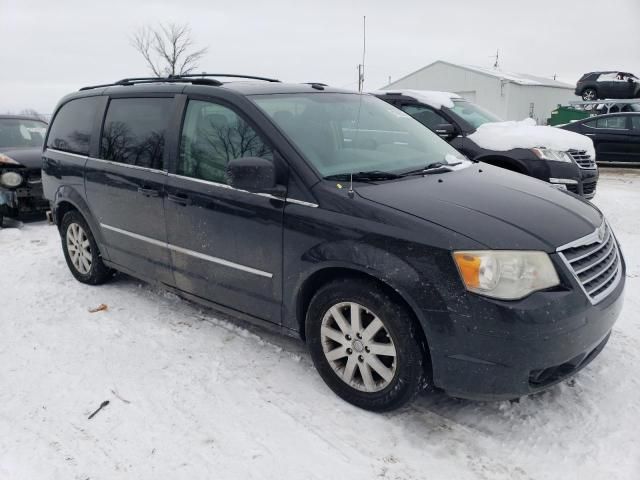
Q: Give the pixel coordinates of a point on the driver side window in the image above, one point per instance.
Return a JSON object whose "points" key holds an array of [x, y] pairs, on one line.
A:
{"points": [[426, 116], [212, 135]]}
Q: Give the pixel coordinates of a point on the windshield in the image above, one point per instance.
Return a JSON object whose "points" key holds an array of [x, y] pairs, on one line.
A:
{"points": [[347, 133], [18, 132], [473, 114]]}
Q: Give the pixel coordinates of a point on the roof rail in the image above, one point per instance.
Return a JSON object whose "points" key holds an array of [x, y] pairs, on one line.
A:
{"points": [[194, 78]]}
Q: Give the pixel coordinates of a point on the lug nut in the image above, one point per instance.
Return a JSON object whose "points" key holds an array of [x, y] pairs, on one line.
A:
{"points": [[366, 349], [349, 351], [348, 337], [360, 358], [359, 335]]}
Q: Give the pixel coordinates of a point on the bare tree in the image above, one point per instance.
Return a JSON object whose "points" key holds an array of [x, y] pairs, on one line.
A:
{"points": [[168, 49], [34, 113]]}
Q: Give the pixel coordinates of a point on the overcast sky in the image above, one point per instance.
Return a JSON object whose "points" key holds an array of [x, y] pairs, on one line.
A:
{"points": [[52, 47]]}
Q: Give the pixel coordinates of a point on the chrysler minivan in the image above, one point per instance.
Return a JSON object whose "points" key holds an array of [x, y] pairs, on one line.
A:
{"points": [[335, 217]]}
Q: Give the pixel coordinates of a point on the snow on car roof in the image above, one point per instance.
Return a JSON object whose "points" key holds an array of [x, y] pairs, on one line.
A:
{"points": [[432, 98]]}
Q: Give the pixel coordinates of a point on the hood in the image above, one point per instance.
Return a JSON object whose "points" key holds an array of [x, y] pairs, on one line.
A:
{"points": [[503, 136], [493, 206], [26, 157]]}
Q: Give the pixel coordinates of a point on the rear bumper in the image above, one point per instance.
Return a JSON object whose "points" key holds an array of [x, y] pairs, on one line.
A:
{"points": [[504, 350]]}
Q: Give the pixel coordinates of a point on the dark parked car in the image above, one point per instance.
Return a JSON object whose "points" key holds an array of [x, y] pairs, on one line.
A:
{"points": [[328, 215], [615, 136], [480, 135], [611, 84], [21, 139]]}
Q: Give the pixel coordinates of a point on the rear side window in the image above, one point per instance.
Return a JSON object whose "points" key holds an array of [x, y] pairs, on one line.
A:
{"points": [[72, 126], [425, 116], [635, 123], [211, 136], [134, 131]]}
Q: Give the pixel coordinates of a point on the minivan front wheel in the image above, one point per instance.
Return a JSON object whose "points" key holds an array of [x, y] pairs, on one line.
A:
{"points": [[364, 345], [81, 250]]}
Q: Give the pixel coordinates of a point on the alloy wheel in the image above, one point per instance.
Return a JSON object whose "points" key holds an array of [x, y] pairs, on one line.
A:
{"points": [[79, 248], [589, 94], [358, 347]]}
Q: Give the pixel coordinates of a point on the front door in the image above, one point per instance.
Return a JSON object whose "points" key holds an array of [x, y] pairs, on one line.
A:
{"points": [[125, 185], [225, 244]]}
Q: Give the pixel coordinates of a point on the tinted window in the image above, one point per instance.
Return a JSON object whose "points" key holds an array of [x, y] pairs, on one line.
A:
{"points": [[635, 123], [473, 114], [134, 131], [425, 115], [18, 132], [211, 136], [72, 125], [612, 122]]}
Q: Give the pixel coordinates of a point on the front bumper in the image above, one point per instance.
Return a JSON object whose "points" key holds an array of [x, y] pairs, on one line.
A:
{"points": [[508, 349], [23, 201], [581, 181]]}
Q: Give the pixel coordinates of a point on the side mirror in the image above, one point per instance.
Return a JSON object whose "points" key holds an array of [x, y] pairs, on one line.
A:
{"points": [[446, 131], [253, 174]]}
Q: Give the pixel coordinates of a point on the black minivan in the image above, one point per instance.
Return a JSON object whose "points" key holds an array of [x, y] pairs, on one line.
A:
{"points": [[333, 216]]}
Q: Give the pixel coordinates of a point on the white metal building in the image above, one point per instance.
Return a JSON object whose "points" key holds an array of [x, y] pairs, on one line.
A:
{"points": [[511, 96]]}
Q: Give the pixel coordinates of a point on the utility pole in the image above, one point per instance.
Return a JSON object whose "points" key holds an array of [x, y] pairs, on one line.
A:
{"points": [[364, 51]]}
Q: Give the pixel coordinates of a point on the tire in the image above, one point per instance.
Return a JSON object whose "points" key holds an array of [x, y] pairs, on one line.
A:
{"points": [[81, 250], [589, 94], [358, 364]]}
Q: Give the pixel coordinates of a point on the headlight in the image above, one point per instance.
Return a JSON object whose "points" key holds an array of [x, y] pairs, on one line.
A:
{"points": [[506, 274], [555, 155], [11, 179]]}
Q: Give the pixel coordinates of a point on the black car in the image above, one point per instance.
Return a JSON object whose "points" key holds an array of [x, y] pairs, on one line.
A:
{"points": [[466, 126], [615, 136], [21, 139], [328, 215], [610, 84]]}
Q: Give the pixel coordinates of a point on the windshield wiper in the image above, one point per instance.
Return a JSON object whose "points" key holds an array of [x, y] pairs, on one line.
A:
{"points": [[435, 167], [371, 175]]}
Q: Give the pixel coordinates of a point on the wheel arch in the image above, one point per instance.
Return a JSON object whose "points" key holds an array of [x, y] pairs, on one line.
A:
{"points": [[328, 274], [67, 199], [505, 162]]}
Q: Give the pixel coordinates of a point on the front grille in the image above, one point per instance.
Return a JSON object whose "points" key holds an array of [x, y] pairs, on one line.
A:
{"points": [[583, 159], [34, 176], [572, 187], [595, 262]]}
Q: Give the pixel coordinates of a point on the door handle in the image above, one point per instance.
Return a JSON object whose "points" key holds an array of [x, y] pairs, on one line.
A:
{"points": [[180, 199], [149, 192]]}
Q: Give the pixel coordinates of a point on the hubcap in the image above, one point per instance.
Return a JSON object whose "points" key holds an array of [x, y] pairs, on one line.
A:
{"points": [[79, 248], [589, 95], [358, 347]]}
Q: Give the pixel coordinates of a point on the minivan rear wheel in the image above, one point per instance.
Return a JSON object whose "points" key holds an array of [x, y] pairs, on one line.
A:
{"points": [[364, 345], [81, 250]]}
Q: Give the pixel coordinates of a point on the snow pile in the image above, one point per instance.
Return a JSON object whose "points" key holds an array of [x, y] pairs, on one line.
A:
{"points": [[432, 98], [503, 136]]}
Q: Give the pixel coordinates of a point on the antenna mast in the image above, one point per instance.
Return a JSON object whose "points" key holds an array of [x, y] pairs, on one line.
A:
{"points": [[364, 51], [496, 64]]}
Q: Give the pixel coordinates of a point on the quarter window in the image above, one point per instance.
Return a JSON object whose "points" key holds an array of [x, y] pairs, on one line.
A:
{"points": [[213, 135], [612, 122], [134, 131], [635, 122], [72, 126]]}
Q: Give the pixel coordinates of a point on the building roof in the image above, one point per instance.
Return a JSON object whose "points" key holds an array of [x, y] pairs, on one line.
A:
{"points": [[518, 78]]}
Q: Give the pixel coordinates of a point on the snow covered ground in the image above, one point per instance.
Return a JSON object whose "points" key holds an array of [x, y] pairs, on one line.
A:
{"points": [[194, 395]]}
